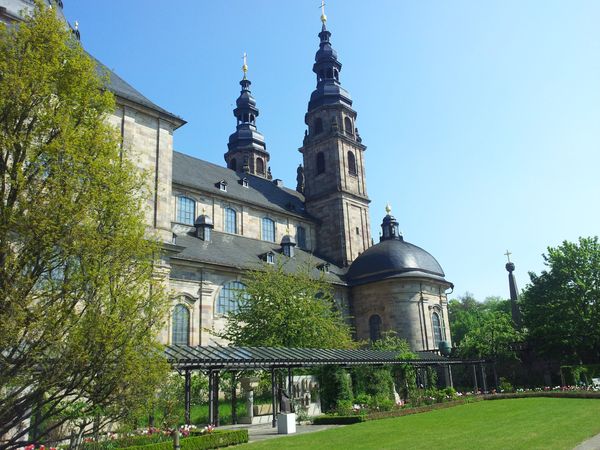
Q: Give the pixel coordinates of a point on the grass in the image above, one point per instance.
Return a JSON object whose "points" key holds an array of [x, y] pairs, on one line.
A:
{"points": [[528, 423]]}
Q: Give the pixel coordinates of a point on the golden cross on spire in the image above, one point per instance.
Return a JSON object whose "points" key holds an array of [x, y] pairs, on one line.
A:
{"points": [[508, 255], [323, 16], [245, 66], [388, 208]]}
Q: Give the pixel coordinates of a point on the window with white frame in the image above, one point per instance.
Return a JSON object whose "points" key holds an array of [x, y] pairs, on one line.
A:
{"points": [[230, 221], [268, 229], [437, 329], [301, 236], [181, 325], [186, 210], [229, 296]]}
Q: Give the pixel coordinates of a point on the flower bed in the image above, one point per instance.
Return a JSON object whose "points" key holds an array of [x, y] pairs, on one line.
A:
{"points": [[216, 439], [421, 409], [553, 394]]}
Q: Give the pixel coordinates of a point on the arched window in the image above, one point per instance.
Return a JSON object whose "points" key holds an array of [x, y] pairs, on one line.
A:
{"points": [[186, 210], [233, 164], [352, 164], [348, 126], [318, 125], [437, 329], [320, 162], [260, 166], [228, 300], [230, 221], [330, 73], [374, 327], [181, 325], [268, 229], [301, 236]]}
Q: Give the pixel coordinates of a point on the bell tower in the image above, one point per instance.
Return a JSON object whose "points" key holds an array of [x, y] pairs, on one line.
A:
{"points": [[247, 151], [333, 155]]}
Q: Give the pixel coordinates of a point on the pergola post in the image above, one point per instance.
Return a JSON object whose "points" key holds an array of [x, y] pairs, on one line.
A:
{"points": [[188, 395], [495, 375], [233, 398], [211, 399], [483, 380], [447, 375], [475, 386], [274, 399], [290, 382], [216, 399]]}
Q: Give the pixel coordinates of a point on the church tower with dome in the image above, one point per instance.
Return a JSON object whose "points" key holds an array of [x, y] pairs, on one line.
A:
{"points": [[333, 155]]}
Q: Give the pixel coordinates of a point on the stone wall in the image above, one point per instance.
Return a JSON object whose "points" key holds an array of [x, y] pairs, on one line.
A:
{"points": [[405, 306]]}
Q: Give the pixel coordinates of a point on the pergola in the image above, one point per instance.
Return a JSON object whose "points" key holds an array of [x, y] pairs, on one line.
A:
{"points": [[214, 359]]}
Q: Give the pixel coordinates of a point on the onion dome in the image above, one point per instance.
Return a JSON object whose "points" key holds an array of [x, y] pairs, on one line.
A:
{"points": [[327, 68], [393, 257]]}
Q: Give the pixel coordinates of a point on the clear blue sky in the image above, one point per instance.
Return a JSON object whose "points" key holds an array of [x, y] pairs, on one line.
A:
{"points": [[482, 119]]}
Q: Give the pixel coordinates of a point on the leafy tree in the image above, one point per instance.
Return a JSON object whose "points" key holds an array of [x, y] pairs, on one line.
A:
{"points": [[79, 306], [466, 314], [561, 307], [494, 336], [281, 308]]}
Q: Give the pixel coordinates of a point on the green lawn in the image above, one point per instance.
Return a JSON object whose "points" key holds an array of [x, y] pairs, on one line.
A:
{"points": [[528, 423]]}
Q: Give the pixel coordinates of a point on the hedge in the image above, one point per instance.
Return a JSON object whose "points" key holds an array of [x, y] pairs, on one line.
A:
{"points": [[566, 394], [216, 439], [126, 441], [420, 409], [338, 420]]}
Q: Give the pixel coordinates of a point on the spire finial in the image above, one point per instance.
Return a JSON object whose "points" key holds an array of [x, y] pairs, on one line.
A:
{"points": [[76, 25], [507, 254], [323, 16], [245, 66], [388, 208]]}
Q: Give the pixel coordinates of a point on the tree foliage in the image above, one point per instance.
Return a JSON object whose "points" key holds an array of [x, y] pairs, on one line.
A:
{"points": [[483, 329], [79, 307], [561, 306], [281, 308]]}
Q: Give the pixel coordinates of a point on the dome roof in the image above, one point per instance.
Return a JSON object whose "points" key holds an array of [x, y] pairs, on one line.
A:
{"points": [[394, 258]]}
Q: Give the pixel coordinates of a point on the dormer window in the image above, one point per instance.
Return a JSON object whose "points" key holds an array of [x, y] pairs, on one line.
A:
{"points": [[323, 267], [245, 183], [222, 185], [269, 257]]}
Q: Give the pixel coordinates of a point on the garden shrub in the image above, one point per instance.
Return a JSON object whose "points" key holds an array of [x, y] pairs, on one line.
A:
{"points": [[344, 407], [335, 386], [126, 441], [216, 439], [338, 420], [381, 402], [373, 381], [505, 386]]}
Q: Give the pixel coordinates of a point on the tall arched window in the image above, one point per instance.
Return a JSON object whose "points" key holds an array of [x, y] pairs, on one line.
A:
{"points": [[268, 229], [228, 300], [318, 125], [260, 166], [352, 164], [230, 221], [348, 126], [437, 329], [374, 327], [233, 164], [181, 325], [301, 236], [320, 163], [186, 210]]}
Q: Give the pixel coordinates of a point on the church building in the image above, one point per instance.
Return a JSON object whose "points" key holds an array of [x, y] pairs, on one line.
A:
{"points": [[216, 222]]}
